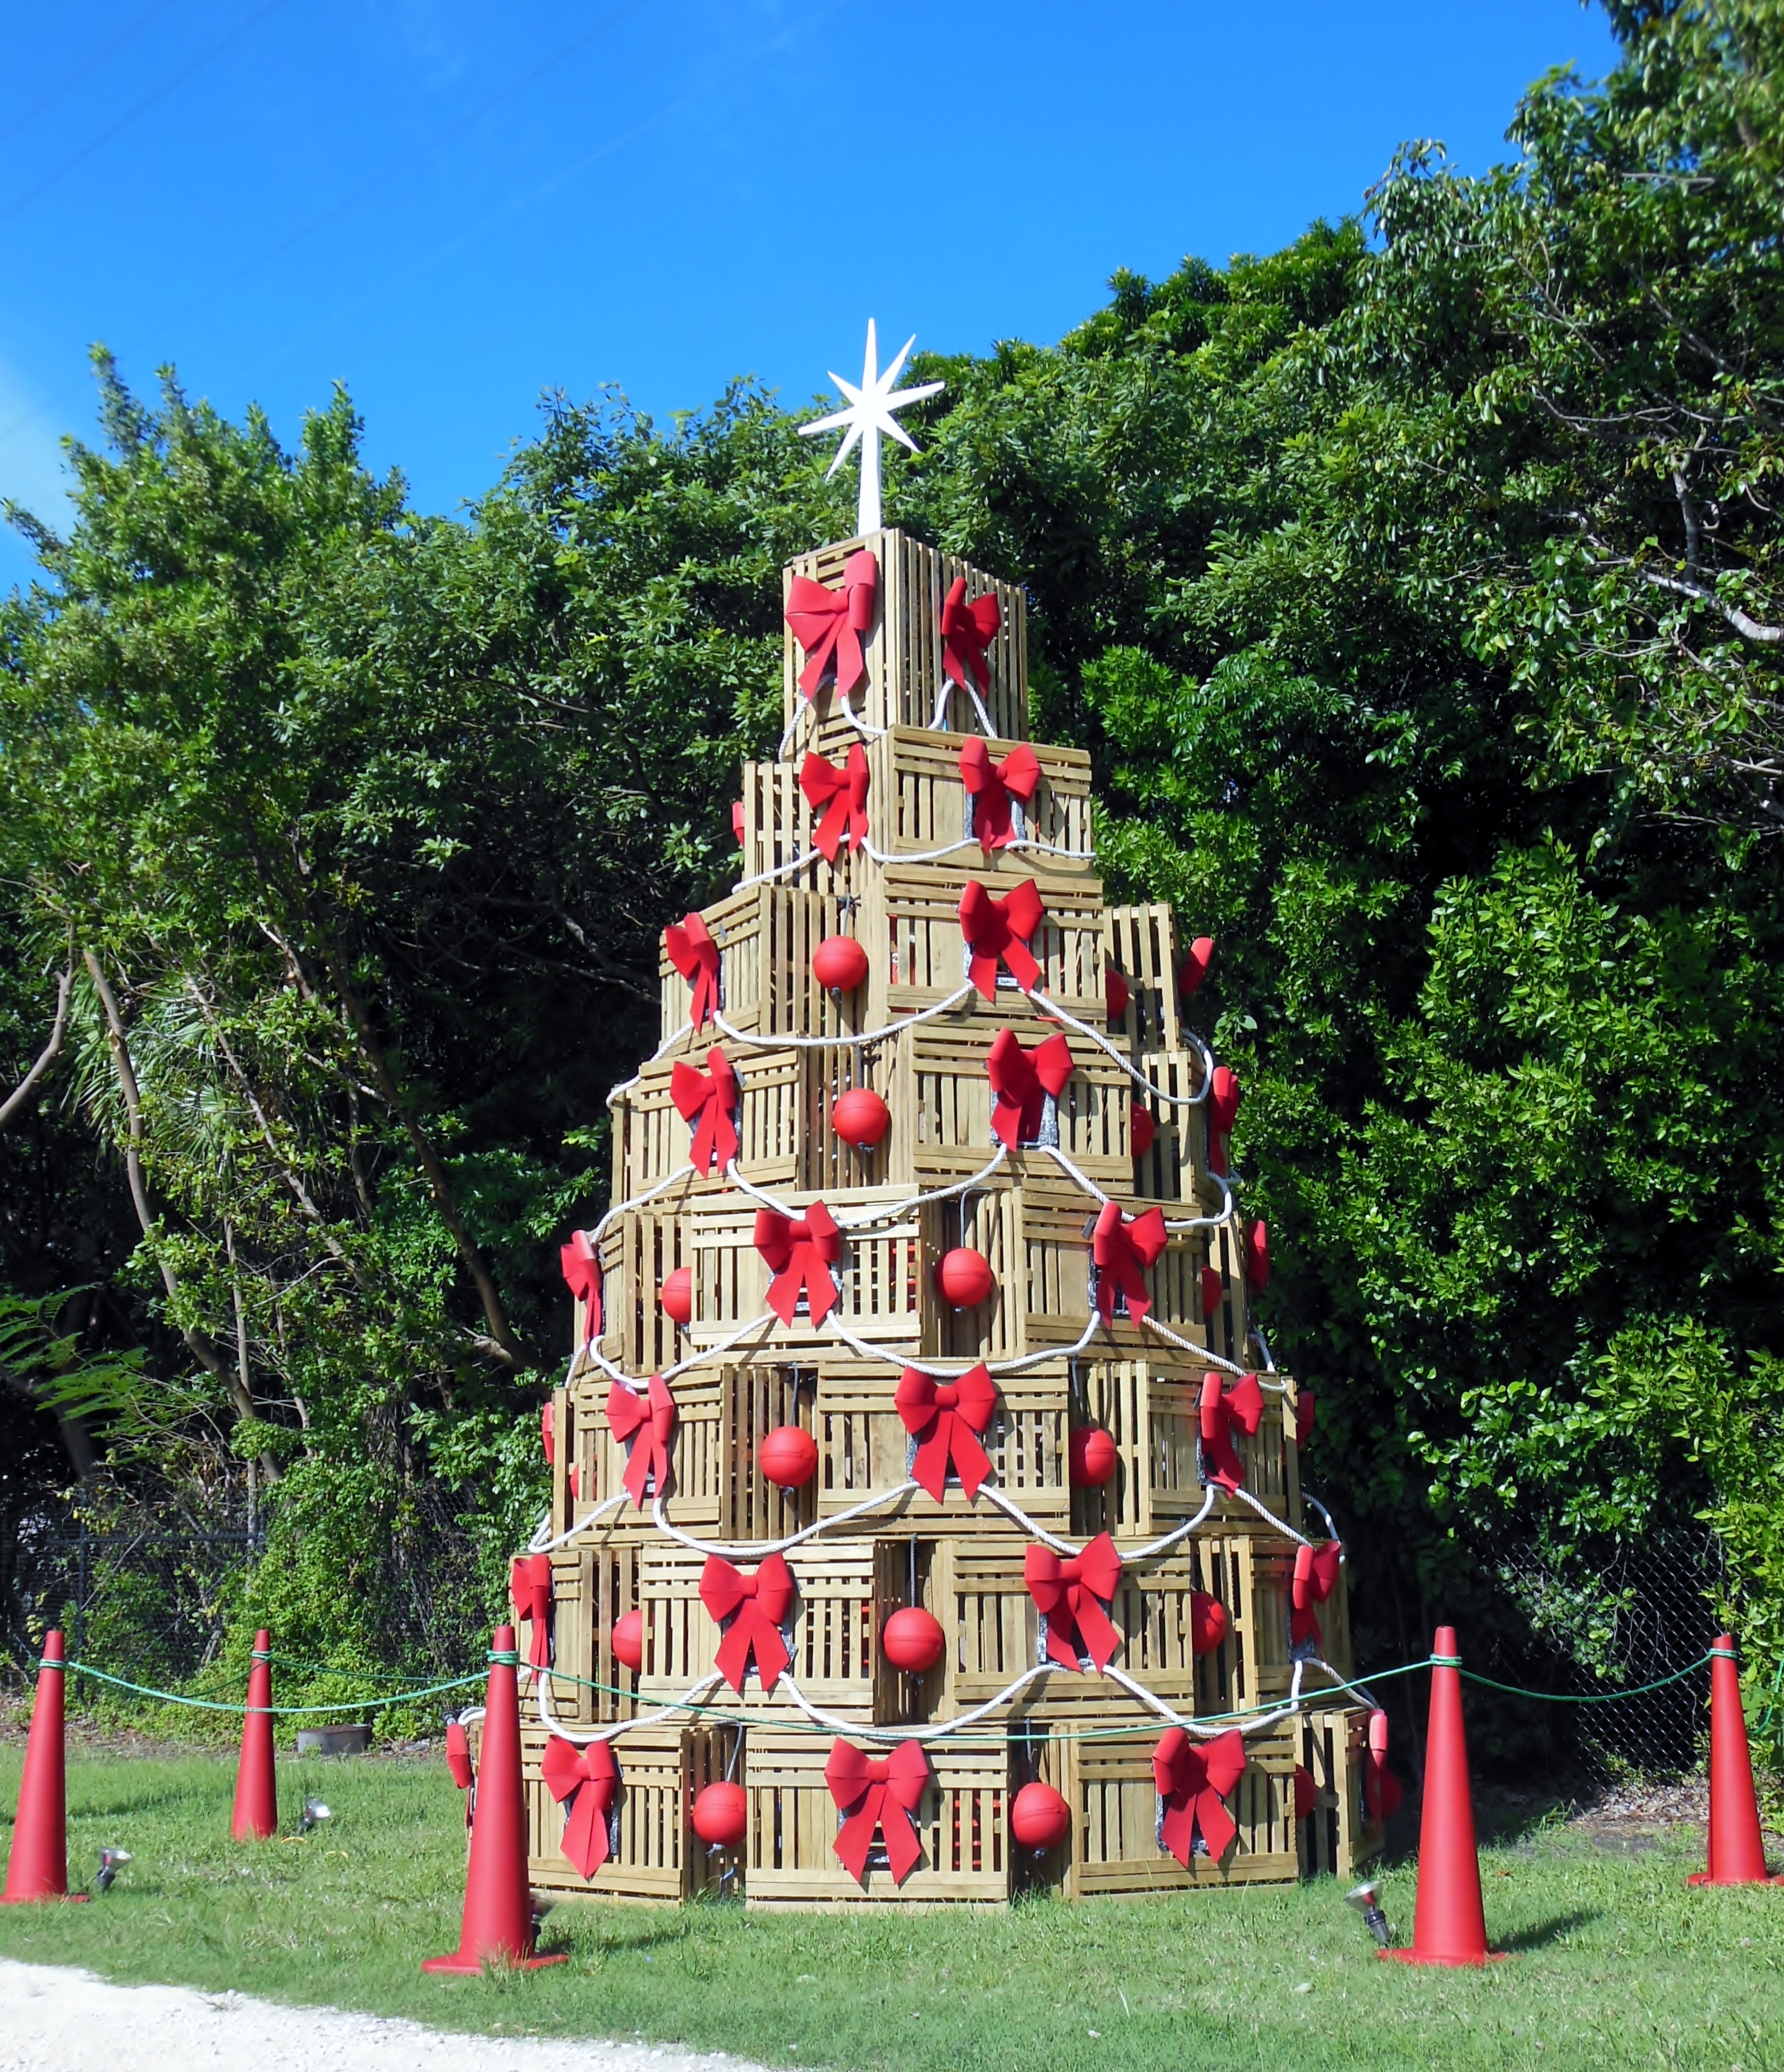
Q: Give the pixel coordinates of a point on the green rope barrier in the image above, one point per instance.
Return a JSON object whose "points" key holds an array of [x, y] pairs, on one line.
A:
{"points": [[1592, 1697], [223, 1705]]}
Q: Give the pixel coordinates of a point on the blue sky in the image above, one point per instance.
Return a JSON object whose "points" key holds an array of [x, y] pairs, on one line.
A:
{"points": [[451, 207]]}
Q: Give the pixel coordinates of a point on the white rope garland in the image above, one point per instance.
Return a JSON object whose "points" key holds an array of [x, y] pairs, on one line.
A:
{"points": [[1051, 1007], [846, 1040]]}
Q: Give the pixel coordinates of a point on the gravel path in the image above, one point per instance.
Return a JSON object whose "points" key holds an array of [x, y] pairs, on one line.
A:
{"points": [[57, 2021]]}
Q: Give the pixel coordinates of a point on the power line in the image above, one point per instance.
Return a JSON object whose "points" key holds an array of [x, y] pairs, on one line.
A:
{"points": [[148, 101], [90, 65]]}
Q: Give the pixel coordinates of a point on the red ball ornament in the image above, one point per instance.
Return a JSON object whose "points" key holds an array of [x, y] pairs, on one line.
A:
{"points": [[677, 1294], [721, 1815], [860, 1118], [839, 963], [965, 1278], [1115, 994], [1194, 966], [1143, 1130], [912, 1640], [1307, 1792], [788, 1456], [627, 1640], [1092, 1455], [1209, 1622], [1039, 1818]]}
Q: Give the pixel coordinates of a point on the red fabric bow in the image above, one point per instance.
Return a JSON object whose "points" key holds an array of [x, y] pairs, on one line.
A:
{"points": [[1067, 1593], [652, 1418], [762, 1602], [582, 1271], [1222, 1409], [529, 1586], [1305, 1408], [1381, 1789], [1193, 1779], [1214, 1291], [708, 1099], [590, 1778], [1020, 1080], [993, 785], [946, 1419], [877, 1795], [828, 623], [1119, 1249], [695, 954], [967, 630], [1315, 1577], [842, 795], [1224, 1095], [1001, 929], [801, 1255]]}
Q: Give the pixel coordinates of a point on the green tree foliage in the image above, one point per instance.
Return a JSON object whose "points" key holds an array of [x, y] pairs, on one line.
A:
{"points": [[1416, 591]]}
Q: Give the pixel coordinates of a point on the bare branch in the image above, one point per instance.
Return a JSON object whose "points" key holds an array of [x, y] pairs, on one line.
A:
{"points": [[51, 1051]]}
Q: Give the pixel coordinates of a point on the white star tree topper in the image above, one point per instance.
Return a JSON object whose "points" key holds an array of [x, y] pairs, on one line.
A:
{"points": [[869, 416]]}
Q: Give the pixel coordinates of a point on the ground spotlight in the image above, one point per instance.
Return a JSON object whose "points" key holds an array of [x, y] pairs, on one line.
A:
{"points": [[314, 1811], [111, 1862], [1366, 1900]]}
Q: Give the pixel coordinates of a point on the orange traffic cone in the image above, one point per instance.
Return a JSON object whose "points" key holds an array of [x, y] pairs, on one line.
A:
{"points": [[1449, 1925], [1737, 1855], [38, 1867], [498, 1916], [257, 1792]]}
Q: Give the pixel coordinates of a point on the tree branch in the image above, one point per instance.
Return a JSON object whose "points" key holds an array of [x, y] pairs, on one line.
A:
{"points": [[51, 1051]]}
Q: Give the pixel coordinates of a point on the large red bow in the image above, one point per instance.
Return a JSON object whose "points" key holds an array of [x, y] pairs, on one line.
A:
{"points": [[992, 786], [967, 630], [878, 1794], [762, 1602], [1119, 1247], [695, 954], [801, 1255], [1315, 1577], [1071, 1596], [1221, 1410], [582, 1271], [708, 1099], [828, 623], [1193, 1779], [652, 1418], [946, 1419], [529, 1586], [590, 1778], [1020, 1080], [1305, 1411], [1224, 1095], [843, 795], [1381, 1789], [1001, 929]]}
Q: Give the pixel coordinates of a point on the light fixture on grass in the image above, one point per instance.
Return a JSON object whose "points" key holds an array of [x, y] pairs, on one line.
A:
{"points": [[314, 1811], [1365, 1898], [111, 1862]]}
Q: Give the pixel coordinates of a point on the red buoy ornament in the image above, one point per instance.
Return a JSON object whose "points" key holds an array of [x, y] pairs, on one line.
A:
{"points": [[839, 963], [1142, 1130], [1090, 1457], [1194, 966], [1039, 1818], [965, 1278], [677, 1294], [627, 1640], [912, 1640], [788, 1456], [721, 1815], [860, 1118]]}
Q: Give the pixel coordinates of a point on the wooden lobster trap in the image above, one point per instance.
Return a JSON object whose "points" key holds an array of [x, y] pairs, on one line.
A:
{"points": [[699, 1448], [918, 802], [961, 1824], [1247, 1568], [1175, 1170], [764, 935], [655, 1854], [864, 1448], [902, 650], [830, 1632], [914, 909], [1151, 1409], [1341, 1835], [593, 1584], [942, 1104], [1140, 943], [1116, 1812], [652, 1139]]}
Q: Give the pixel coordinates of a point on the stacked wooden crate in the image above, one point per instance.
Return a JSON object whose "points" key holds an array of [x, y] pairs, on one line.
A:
{"points": [[878, 1543]]}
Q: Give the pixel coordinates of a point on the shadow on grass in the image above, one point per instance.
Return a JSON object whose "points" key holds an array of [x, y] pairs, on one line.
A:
{"points": [[1540, 1934]]}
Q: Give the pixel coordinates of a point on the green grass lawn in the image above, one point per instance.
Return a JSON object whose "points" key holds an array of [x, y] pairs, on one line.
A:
{"points": [[1616, 1964]]}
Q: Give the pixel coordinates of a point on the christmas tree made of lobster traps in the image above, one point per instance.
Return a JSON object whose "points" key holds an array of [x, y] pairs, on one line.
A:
{"points": [[926, 1522]]}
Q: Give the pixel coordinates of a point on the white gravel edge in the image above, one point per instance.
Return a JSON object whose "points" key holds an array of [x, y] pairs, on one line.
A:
{"points": [[53, 2019]]}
